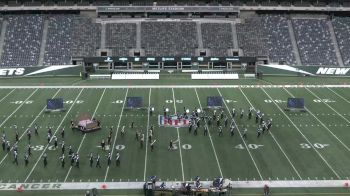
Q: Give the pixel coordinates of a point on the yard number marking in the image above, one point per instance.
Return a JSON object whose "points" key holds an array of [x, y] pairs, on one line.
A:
{"points": [[251, 146], [118, 101], [323, 101], [20, 102], [171, 101], [276, 100], [316, 145]]}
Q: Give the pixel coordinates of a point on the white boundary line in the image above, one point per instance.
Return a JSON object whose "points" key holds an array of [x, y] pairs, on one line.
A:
{"points": [[319, 154], [7, 95], [314, 94], [93, 115], [211, 141], [139, 185], [3, 122], [116, 134], [345, 146], [178, 136], [245, 144], [65, 116], [339, 95], [180, 86], [273, 137], [148, 111], [30, 125]]}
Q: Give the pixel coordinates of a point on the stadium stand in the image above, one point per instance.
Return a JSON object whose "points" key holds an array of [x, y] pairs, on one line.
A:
{"points": [[279, 41], [217, 37], [341, 27], [252, 38], [86, 36], [120, 37], [23, 40], [169, 38], [59, 40], [314, 42]]}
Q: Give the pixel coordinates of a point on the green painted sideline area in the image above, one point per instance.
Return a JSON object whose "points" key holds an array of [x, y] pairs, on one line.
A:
{"points": [[304, 153], [170, 79]]}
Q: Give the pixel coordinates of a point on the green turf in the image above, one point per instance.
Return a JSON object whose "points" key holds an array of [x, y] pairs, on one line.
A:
{"points": [[284, 154]]}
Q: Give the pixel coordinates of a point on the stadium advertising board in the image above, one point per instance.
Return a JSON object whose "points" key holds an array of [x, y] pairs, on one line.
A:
{"points": [[167, 9], [109, 59], [54, 70], [303, 70]]}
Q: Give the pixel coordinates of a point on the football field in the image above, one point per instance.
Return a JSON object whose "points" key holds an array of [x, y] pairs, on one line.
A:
{"points": [[311, 146]]}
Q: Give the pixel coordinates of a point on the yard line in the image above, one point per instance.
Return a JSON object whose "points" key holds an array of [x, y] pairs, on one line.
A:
{"points": [[211, 141], [148, 110], [328, 105], [245, 144], [273, 137], [7, 95], [65, 116], [312, 146], [338, 95], [178, 136], [93, 115], [345, 146], [116, 134], [31, 124], [3, 122]]}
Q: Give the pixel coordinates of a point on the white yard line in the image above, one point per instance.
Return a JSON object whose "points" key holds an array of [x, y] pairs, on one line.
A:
{"points": [[30, 125], [65, 116], [3, 122], [239, 132], [93, 115], [178, 86], [328, 105], [116, 134], [273, 137], [339, 95], [178, 136], [148, 111], [211, 141], [345, 146], [7, 95], [312, 146]]}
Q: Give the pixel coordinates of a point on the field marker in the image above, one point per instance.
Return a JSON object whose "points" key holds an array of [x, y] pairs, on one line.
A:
{"points": [[345, 146], [274, 138], [329, 106], [116, 134], [47, 145], [93, 115], [242, 138], [148, 112], [30, 125], [211, 141], [178, 136], [319, 154]]}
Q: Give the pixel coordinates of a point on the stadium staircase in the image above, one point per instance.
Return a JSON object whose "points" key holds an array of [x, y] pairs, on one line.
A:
{"points": [[138, 35], [2, 36], [294, 42], [43, 42], [103, 35], [199, 35], [335, 44], [234, 36]]}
